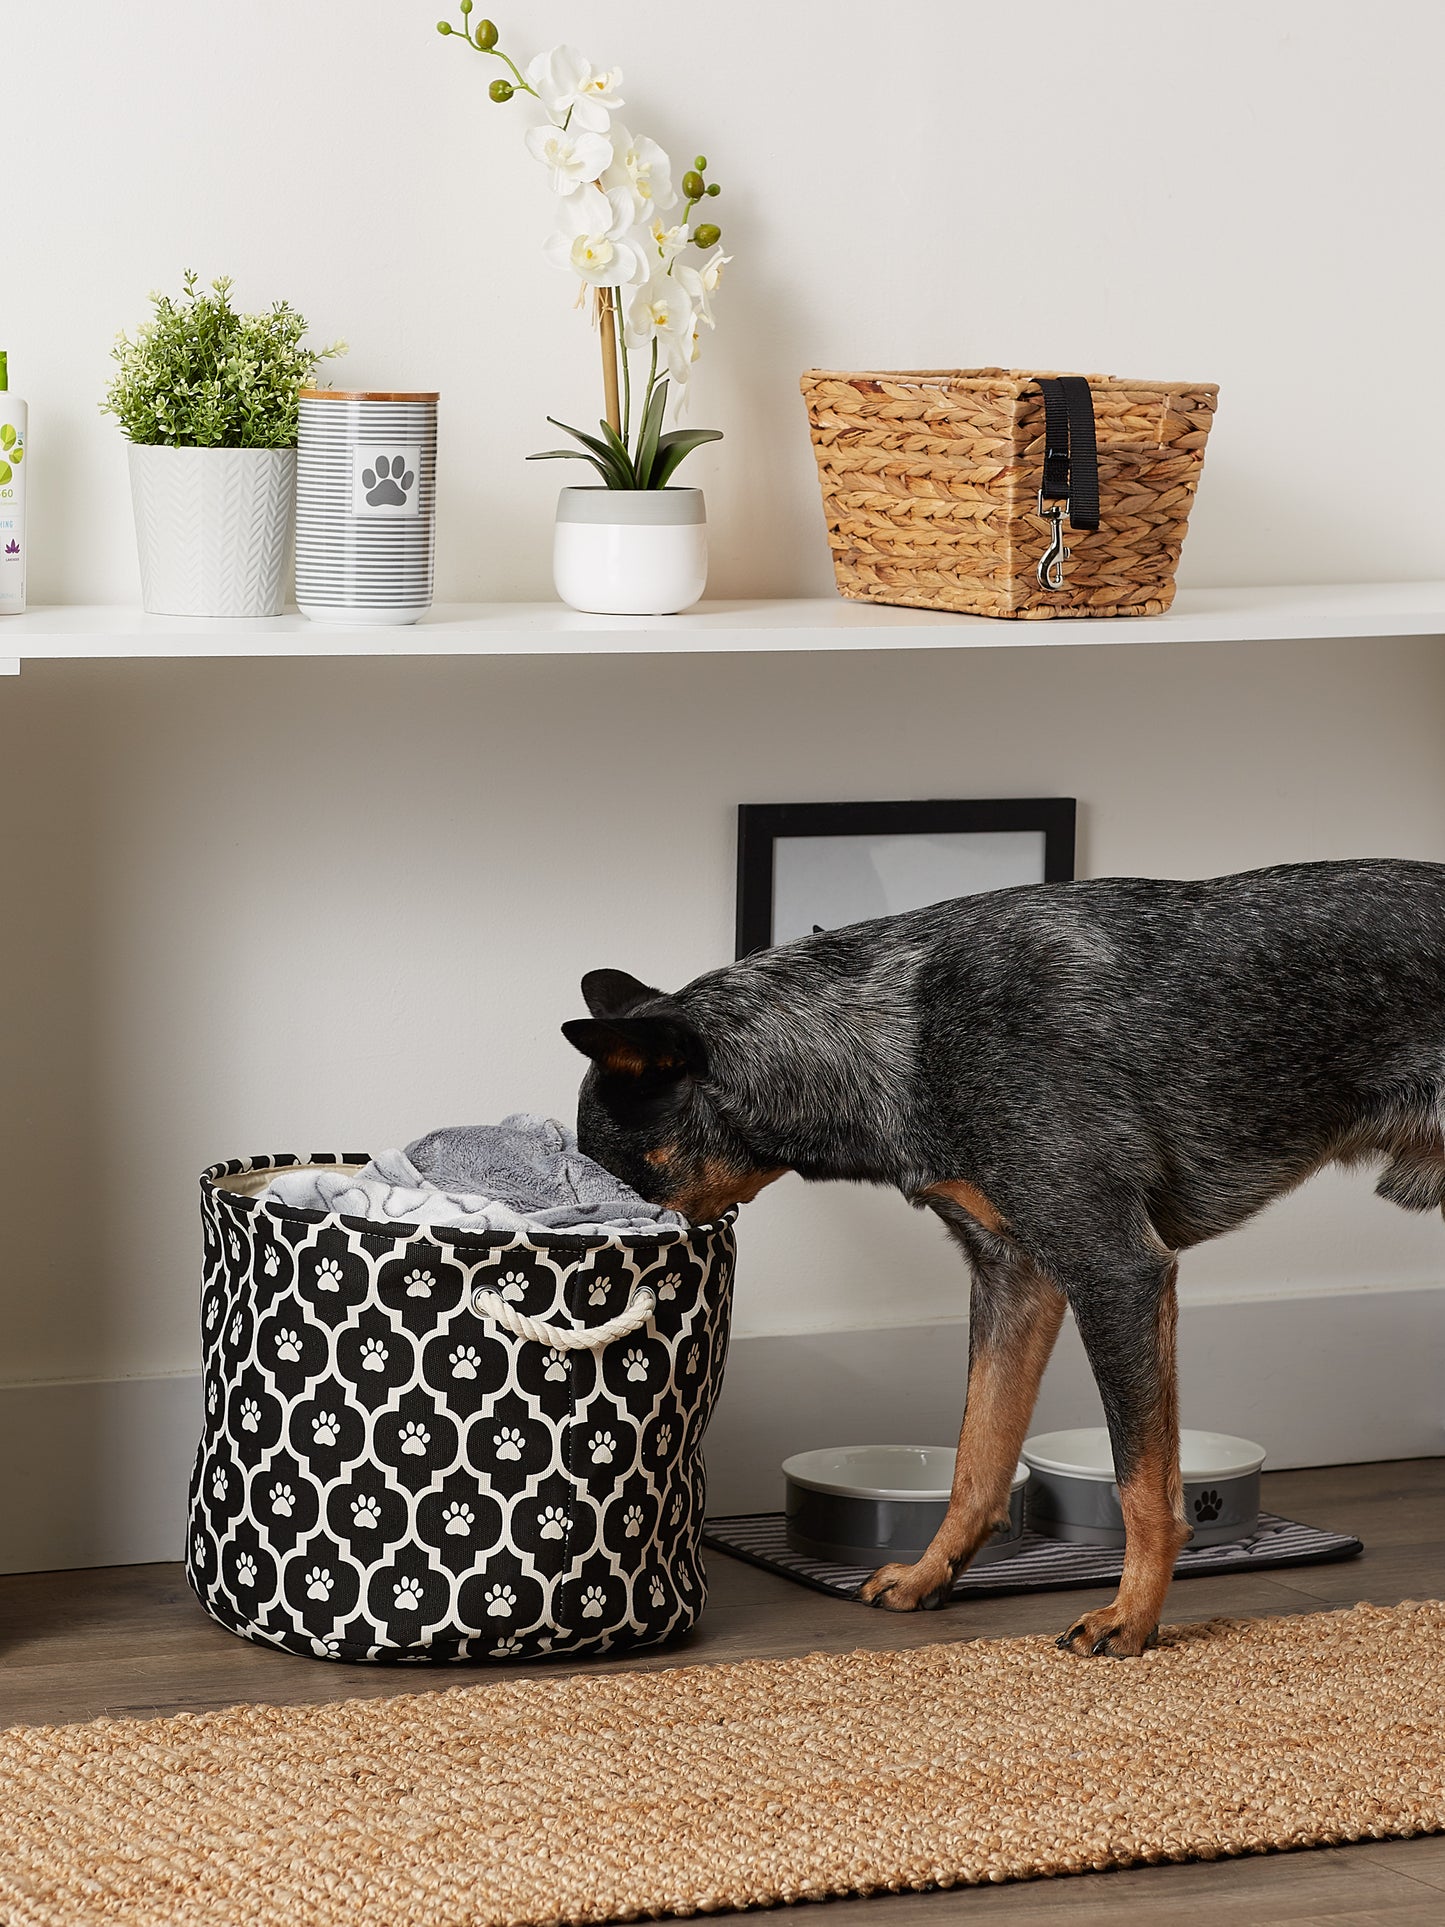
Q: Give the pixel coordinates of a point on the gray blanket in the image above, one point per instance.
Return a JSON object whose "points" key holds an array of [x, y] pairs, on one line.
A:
{"points": [[525, 1173]]}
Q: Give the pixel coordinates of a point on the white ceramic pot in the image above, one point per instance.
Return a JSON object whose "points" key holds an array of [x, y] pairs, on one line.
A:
{"points": [[213, 526], [630, 552]]}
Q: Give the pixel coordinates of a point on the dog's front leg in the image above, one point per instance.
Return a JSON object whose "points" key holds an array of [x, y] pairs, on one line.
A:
{"points": [[1129, 1329], [1013, 1322]]}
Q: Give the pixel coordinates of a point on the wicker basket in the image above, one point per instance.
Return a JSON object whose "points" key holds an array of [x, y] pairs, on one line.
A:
{"points": [[931, 485]]}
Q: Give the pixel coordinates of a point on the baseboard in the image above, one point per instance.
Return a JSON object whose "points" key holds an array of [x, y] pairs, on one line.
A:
{"points": [[1330, 1379], [96, 1470]]}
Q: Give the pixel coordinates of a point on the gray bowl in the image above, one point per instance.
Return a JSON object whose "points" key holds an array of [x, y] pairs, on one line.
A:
{"points": [[861, 1505], [1072, 1494]]}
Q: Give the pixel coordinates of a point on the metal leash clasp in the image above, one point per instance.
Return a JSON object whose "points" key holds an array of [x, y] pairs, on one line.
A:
{"points": [[1051, 562]]}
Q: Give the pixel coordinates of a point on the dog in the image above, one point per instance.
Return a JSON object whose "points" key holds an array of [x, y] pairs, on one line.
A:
{"points": [[1082, 1080]]}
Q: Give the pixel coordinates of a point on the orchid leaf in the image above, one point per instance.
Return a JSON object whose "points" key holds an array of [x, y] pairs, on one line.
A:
{"points": [[616, 474], [571, 455], [648, 434], [619, 450], [675, 447]]}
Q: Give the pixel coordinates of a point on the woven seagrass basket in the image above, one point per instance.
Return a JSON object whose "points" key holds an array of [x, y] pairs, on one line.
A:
{"points": [[931, 482]]}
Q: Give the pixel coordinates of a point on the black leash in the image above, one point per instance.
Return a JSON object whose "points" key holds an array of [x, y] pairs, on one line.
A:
{"points": [[1070, 483]]}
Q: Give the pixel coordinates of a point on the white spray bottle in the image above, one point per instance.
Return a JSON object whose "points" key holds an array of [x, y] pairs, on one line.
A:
{"points": [[13, 426]]}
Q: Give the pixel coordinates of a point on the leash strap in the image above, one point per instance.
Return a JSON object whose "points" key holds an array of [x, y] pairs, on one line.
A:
{"points": [[1071, 456]]}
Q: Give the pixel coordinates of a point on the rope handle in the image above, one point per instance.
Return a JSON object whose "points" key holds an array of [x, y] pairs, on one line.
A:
{"points": [[568, 1338]]}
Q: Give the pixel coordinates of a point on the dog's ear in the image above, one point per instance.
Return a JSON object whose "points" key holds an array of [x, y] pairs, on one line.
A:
{"points": [[612, 993], [660, 1048]]}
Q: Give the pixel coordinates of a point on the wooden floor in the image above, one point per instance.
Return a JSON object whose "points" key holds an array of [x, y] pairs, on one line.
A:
{"points": [[132, 1640]]}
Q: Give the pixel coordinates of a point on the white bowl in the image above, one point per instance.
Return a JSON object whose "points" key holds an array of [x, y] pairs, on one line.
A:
{"points": [[858, 1505]]}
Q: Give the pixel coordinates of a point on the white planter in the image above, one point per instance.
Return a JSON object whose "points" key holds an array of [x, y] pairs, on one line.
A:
{"points": [[630, 552], [213, 526]]}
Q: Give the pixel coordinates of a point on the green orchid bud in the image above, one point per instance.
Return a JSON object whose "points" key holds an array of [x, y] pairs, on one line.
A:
{"points": [[700, 163], [465, 5], [708, 235], [692, 185], [713, 188], [486, 35], [501, 90], [444, 26]]}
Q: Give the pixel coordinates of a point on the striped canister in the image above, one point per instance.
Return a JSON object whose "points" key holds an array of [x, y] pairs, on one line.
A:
{"points": [[366, 467]]}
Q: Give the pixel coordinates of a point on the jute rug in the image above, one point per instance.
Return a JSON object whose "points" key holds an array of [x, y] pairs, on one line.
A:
{"points": [[709, 1787]]}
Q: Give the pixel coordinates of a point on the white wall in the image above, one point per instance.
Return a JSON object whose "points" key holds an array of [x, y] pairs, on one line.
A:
{"points": [[253, 907], [1241, 192]]}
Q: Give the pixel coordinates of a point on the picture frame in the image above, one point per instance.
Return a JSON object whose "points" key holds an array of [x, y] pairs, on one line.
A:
{"points": [[805, 866]]}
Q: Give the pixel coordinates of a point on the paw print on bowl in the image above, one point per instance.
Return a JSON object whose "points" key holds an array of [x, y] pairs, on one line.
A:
{"points": [[366, 1513], [250, 1415], [603, 1447], [418, 1284], [389, 483], [501, 1602], [415, 1439], [373, 1356], [283, 1500], [318, 1583], [634, 1363], [328, 1275], [512, 1286], [288, 1346], [407, 1595], [552, 1522], [509, 1443], [1208, 1505], [657, 1592], [458, 1519], [465, 1360], [594, 1602], [632, 1522], [325, 1428], [556, 1367], [246, 1570]]}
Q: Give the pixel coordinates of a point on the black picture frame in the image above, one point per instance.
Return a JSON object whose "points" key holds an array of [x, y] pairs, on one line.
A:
{"points": [[762, 825]]}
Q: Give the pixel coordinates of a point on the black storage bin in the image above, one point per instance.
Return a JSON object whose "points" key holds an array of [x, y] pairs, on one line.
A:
{"points": [[427, 1443]]}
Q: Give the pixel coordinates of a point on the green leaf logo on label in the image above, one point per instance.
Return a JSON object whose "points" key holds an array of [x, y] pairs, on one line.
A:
{"points": [[12, 451]]}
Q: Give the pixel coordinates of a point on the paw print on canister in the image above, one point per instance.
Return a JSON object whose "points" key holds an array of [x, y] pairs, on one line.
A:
{"points": [[388, 482], [1208, 1505]]}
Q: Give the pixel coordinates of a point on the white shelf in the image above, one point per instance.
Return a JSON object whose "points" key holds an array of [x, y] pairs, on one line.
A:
{"points": [[1361, 609]]}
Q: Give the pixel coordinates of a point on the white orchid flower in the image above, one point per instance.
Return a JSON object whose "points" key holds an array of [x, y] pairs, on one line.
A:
{"points": [[662, 312], [574, 94], [571, 160], [644, 167], [669, 241], [598, 239], [701, 283]]}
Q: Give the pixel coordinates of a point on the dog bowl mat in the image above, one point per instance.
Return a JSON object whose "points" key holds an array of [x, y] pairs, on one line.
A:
{"points": [[1039, 1565]]}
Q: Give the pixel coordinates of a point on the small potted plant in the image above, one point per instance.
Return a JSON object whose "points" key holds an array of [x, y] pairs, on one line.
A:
{"points": [[207, 398], [634, 543]]}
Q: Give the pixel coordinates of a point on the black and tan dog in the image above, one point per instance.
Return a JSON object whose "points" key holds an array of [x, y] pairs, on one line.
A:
{"points": [[1082, 1080]]}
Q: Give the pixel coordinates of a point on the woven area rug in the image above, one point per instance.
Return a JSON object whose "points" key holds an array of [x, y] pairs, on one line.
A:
{"points": [[707, 1787], [1039, 1564]]}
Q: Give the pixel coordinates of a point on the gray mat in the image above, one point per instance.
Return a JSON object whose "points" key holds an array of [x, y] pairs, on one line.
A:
{"points": [[1039, 1565]]}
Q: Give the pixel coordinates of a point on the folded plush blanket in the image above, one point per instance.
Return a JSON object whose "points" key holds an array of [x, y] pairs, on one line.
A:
{"points": [[525, 1173]]}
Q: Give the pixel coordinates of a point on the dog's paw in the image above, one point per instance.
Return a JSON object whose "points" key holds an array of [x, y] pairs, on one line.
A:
{"points": [[907, 1589], [1108, 1634]]}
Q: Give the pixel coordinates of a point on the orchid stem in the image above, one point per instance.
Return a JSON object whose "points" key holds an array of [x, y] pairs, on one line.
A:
{"points": [[626, 383]]}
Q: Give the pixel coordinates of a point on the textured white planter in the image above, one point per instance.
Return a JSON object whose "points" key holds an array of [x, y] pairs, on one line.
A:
{"points": [[213, 526], [630, 552]]}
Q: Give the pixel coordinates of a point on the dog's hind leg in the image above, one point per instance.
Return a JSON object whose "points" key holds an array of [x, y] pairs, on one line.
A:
{"points": [[1013, 1322], [1129, 1330]]}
